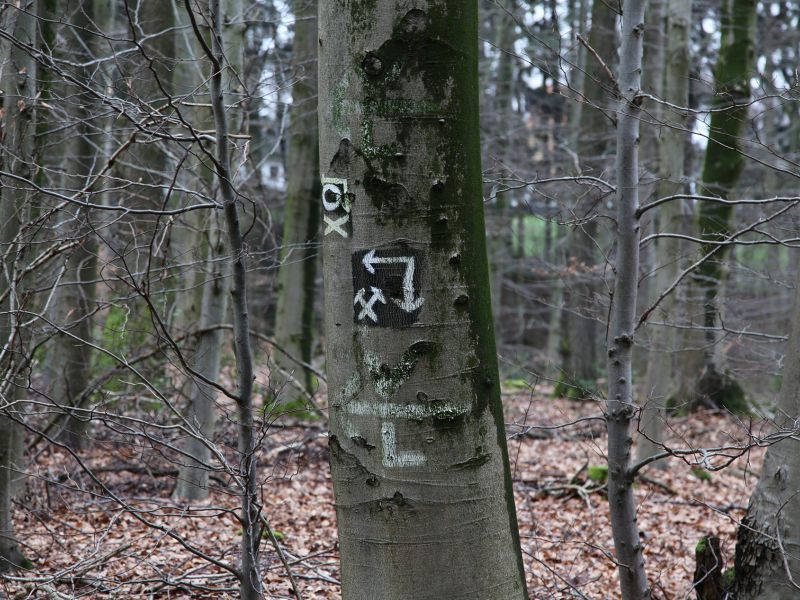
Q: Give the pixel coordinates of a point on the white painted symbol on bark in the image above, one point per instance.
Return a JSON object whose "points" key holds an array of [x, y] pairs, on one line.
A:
{"points": [[368, 306], [410, 301], [336, 187], [392, 457], [337, 225]]}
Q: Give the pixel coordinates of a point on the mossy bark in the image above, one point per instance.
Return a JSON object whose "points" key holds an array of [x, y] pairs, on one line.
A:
{"points": [[418, 451], [294, 319], [722, 167]]}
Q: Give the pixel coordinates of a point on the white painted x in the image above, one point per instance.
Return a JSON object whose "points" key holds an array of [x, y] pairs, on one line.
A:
{"points": [[337, 225], [367, 310]]}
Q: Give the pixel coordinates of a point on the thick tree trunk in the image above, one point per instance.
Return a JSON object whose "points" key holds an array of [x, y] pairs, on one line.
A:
{"points": [[18, 79], [294, 320], [579, 348], [620, 406], [721, 169], [659, 379], [768, 544], [418, 451]]}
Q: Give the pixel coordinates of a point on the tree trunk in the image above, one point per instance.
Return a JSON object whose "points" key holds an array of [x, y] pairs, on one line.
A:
{"points": [[18, 76], [294, 319], [418, 452], [721, 169], [214, 281], [579, 348], [659, 379], [69, 360], [620, 405], [767, 563], [251, 586]]}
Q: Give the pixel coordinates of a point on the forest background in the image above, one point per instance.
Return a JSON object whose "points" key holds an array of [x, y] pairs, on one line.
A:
{"points": [[162, 220]]}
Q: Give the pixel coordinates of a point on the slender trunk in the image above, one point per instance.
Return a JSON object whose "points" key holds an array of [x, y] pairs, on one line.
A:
{"points": [[214, 283], [620, 407], [580, 349], [18, 79], [418, 449], [251, 587], [69, 361], [294, 320], [193, 477], [768, 543], [659, 380]]}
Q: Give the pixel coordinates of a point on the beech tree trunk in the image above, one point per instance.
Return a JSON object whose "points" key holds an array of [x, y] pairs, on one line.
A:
{"points": [[579, 348], [18, 79], [659, 379], [69, 361], [192, 481], [294, 319], [767, 563], [418, 449], [721, 169], [620, 406]]}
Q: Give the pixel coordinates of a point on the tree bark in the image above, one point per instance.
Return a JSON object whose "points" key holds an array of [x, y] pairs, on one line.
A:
{"points": [[620, 405], [294, 319], [418, 452], [251, 586], [659, 382], [767, 565], [18, 76]]}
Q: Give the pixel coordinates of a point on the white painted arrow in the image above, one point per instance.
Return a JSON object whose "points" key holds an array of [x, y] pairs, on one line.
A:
{"points": [[367, 305], [409, 303]]}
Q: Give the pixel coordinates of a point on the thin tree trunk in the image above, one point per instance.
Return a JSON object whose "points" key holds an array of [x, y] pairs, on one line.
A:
{"points": [[579, 347], [620, 405], [294, 320], [69, 361], [659, 381], [418, 452], [768, 543], [251, 587], [18, 76]]}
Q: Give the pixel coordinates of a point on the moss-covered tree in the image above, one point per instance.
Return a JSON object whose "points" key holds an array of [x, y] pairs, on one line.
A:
{"points": [[722, 166], [418, 450]]}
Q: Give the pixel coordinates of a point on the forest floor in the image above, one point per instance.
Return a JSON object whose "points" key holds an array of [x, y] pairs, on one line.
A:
{"points": [[118, 534]]}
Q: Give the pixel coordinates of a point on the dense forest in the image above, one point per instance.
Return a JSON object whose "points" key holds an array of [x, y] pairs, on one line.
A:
{"points": [[399, 300]]}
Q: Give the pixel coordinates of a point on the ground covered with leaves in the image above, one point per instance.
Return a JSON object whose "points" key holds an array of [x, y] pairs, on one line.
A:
{"points": [[102, 524]]}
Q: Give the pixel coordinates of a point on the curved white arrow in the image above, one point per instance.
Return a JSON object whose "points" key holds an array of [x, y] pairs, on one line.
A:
{"points": [[409, 303]]}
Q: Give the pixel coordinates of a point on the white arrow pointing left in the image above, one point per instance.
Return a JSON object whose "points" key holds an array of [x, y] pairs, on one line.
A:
{"points": [[410, 301]]}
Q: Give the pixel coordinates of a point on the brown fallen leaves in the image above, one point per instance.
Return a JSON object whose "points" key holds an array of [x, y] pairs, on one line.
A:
{"points": [[85, 544]]}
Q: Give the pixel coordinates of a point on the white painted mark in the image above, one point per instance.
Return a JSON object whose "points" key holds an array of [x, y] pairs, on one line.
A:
{"points": [[334, 200], [337, 225], [416, 412], [394, 458], [410, 301], [368, 306]]}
